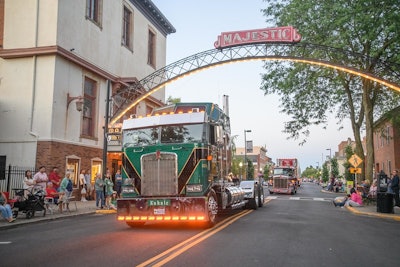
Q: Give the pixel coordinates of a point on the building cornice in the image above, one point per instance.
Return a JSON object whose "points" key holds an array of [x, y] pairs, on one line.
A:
{"points": [[154, 15], [56, 51]]}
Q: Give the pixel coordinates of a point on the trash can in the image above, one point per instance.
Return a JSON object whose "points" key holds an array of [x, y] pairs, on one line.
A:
{"points": [[384, 202]]}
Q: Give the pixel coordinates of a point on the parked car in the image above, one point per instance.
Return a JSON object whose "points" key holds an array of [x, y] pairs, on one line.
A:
{"points": [[254, 193]]}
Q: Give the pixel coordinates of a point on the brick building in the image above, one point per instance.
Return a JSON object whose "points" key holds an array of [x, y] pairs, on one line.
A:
{"points": [[258, 156], [387, 142]]}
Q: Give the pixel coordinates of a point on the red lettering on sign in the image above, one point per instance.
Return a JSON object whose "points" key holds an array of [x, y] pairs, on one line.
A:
{"points": [[286, 34]]}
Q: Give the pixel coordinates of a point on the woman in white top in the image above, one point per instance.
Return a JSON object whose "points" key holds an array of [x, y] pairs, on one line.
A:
{"points": [[29, 183]]}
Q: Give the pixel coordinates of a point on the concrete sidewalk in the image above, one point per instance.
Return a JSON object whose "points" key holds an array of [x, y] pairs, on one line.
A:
{"points": [[371, 210], [82, 208]]}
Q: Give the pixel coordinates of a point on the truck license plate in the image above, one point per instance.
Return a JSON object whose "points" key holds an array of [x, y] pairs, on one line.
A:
{"points": [[159, 211]]}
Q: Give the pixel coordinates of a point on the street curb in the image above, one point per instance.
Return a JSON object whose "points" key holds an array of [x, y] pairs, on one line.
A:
{"points": [[379, 215], [44, 219], [105, 211], [329, 192]]}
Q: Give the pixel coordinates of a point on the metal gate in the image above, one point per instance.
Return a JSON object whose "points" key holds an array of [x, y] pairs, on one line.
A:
{"points": [[14, 178]]}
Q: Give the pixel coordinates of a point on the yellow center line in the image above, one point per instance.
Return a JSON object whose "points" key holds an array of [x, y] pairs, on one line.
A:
{"points": [[183, 246]]}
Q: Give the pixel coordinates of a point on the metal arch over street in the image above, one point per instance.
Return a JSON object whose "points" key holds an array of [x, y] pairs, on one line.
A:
{"points": [[385, 73]]}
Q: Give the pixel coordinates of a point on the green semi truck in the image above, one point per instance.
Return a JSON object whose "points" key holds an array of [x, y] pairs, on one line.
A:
{"points": [[175, 166]]}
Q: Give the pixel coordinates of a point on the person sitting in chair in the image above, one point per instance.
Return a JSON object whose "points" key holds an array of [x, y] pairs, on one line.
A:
{"points": [[52, 192]]}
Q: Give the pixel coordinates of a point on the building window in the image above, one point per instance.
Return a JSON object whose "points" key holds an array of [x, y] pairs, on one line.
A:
{"points": [[93, 10], [89, 108], [127, 28], [151, 48]]}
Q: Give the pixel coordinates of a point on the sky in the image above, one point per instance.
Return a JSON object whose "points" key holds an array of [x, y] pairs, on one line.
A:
{"points": [[197, 24]]}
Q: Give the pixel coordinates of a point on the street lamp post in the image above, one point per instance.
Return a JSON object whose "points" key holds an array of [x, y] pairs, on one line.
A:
{"points": [[330, 153], [245, 152]]}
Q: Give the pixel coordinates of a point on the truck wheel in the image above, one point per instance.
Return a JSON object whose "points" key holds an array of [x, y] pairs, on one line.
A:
{"points": [[135, 224], [212, 208], [253, 202], [260, 198]]}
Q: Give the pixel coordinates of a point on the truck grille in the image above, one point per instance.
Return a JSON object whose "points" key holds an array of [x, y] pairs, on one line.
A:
{"points": [[280, 183], [159, 174]]}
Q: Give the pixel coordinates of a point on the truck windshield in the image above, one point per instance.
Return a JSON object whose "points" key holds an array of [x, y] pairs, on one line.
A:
{"points": [[168, 134], [283, 171]]}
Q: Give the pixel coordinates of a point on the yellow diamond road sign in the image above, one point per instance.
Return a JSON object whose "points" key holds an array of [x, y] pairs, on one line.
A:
{"points": [[355, 160]]}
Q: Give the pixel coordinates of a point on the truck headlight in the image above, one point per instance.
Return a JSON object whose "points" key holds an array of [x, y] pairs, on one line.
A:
{"points": [[194, 188]]}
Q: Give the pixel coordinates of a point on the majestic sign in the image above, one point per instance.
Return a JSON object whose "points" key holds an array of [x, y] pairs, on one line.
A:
{"points": [[286, 34]]}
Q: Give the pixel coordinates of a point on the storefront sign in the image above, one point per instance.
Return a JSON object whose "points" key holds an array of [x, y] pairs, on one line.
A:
{"points": [[114, 135], [286, 34]]}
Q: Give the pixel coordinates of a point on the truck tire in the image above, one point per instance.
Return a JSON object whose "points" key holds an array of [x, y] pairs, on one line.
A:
{"points": [[254, 202], [212, 208]]}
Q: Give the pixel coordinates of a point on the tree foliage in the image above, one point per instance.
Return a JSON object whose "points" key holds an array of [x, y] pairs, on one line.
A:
{"points": [[325, 172], [349, 152], [309, 93], [310, 172], [335, 167], [172, 100]]}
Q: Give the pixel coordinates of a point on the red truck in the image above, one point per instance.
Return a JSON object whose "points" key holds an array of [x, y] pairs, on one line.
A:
{"points": [[285, 179]]}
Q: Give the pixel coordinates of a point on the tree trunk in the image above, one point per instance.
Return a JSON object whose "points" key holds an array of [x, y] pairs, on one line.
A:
{"points": [[369, 126]]}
